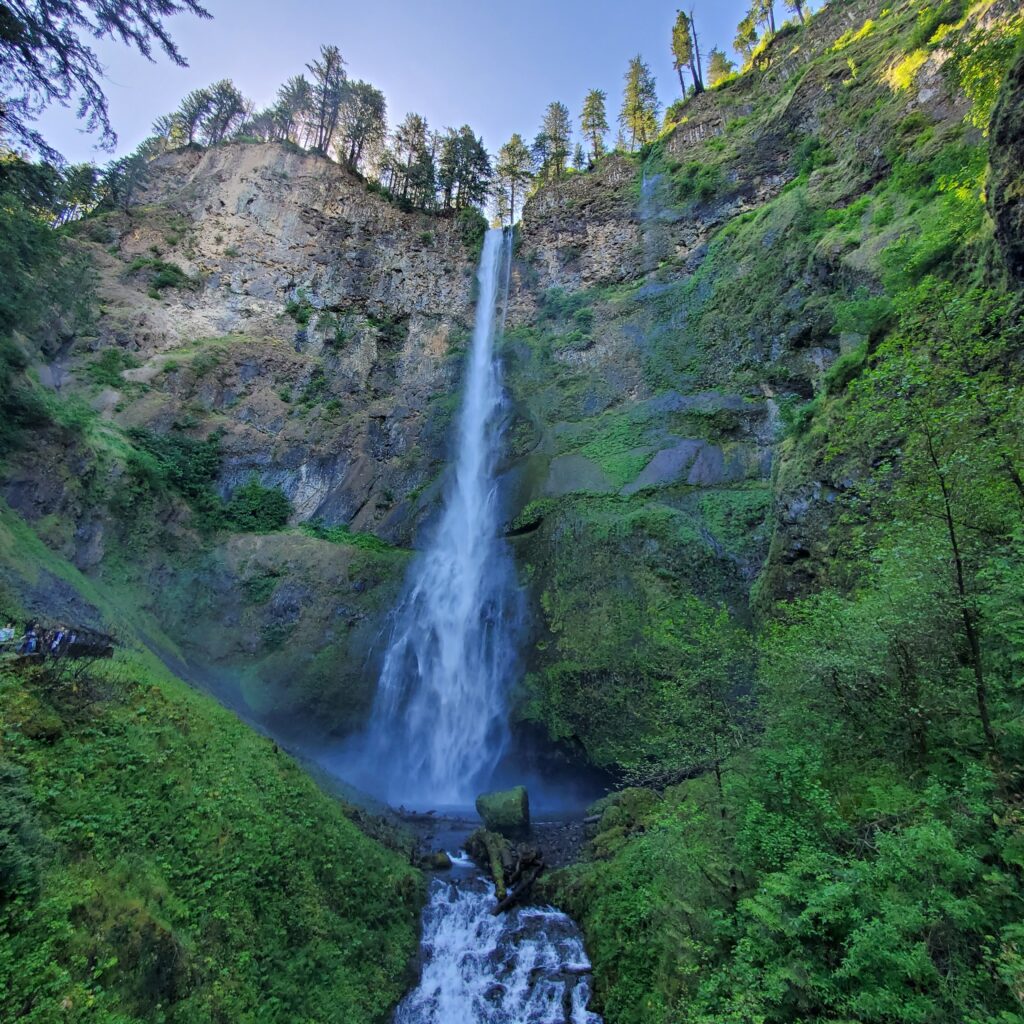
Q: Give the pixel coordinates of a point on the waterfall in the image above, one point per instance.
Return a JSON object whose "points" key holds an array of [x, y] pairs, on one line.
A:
{"points": [[438, 726], [524, 967]]}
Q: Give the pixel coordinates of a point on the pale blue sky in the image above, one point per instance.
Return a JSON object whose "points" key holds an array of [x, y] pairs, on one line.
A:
{"points": [[492, 66]]}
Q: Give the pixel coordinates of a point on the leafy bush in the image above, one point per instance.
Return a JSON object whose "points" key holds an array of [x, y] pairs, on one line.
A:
{"points": [[698, 181], [254, 508]]}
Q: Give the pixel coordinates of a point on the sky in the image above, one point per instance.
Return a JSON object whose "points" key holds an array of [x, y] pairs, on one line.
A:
{"points": [[492, 66]]}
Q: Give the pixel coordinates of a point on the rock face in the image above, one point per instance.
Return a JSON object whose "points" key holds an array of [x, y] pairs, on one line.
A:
{"points": [[506, 812], [1006, 178], [319, 328]]}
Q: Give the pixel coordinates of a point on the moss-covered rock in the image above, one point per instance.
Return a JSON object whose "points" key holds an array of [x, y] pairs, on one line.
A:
{"points": [[506, 811]]}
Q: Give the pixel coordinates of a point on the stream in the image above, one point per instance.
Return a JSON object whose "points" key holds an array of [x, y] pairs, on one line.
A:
{"points": [[524, 967]]}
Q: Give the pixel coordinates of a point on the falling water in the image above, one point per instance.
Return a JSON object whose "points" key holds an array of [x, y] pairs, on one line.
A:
{"points": [[524, 967], [438, 726]]}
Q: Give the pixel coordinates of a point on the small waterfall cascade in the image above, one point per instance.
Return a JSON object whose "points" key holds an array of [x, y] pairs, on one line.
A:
{"points": [[524, 967], [438, 726]]}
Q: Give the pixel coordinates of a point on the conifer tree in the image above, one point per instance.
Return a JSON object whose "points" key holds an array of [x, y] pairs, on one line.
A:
{"points": [[639, 114], [797, 7], [328, 94], [43, 58], [686, 52], [746, 38], [594, 121], [226, 109], [513, 172], [579, 158], [191, 113], [292, 107], [362, 122], [557, 129], [719, 67]]}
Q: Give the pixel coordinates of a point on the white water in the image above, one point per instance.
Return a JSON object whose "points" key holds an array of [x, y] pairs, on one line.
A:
{"points": [[438, 727], [524, 967]]}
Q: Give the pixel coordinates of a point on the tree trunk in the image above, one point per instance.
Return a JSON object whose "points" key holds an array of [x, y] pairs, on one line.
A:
{"points": [[682, 82], [966, 612]]}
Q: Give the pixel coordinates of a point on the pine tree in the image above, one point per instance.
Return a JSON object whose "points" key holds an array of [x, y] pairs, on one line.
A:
{"points": [[513, 172], [191, 113], [43, 58], [579, 158], [292, 107], [557, 129], [746, 38], [639, 114], [719, 67], [464, 169], [594, 121], [362, 122], [686, 52], [763, 13], [328, 94], [226, 110]]}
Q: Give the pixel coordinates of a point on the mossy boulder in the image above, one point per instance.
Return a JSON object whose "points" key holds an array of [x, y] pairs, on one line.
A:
{"points": [[506, 811]]}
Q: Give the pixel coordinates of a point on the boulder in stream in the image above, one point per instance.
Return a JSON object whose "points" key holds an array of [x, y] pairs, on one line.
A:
{"points": [[506, 811]]}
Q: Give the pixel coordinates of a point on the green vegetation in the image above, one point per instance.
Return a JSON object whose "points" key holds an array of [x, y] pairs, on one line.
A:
{"points": [[254, 508], [161, 275], [159, 860], [108, 367], [829, 825], [342, 534]]}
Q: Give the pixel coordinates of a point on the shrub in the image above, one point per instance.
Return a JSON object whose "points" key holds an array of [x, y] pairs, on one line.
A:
{"points": [[162, 274], [254, 508]]}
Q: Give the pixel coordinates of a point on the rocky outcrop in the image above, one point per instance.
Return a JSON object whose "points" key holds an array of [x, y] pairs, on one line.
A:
{"points": [[314, 325], [1006, 176]]}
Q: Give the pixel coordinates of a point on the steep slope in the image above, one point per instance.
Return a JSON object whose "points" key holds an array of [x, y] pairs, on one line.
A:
{"points": [[161, 861]]}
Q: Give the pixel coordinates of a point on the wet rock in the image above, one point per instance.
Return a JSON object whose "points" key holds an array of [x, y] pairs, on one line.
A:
{"points": [[1006, 179], [506, 811], [438, 860]]}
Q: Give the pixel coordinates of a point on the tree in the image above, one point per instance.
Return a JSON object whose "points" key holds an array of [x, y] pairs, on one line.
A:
{"points": [[77, 192], [763, 13], [797, 7], [746, 38], [557, 130], [122, 180], [579, 157], [464, 169], [192, 112], [226, 110], [685, 51], [719, 67], [327, 95], [412, 161], [594, 121], [513, 172], [362, 122], [43, 58], [292, 107], [639, 114]]}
